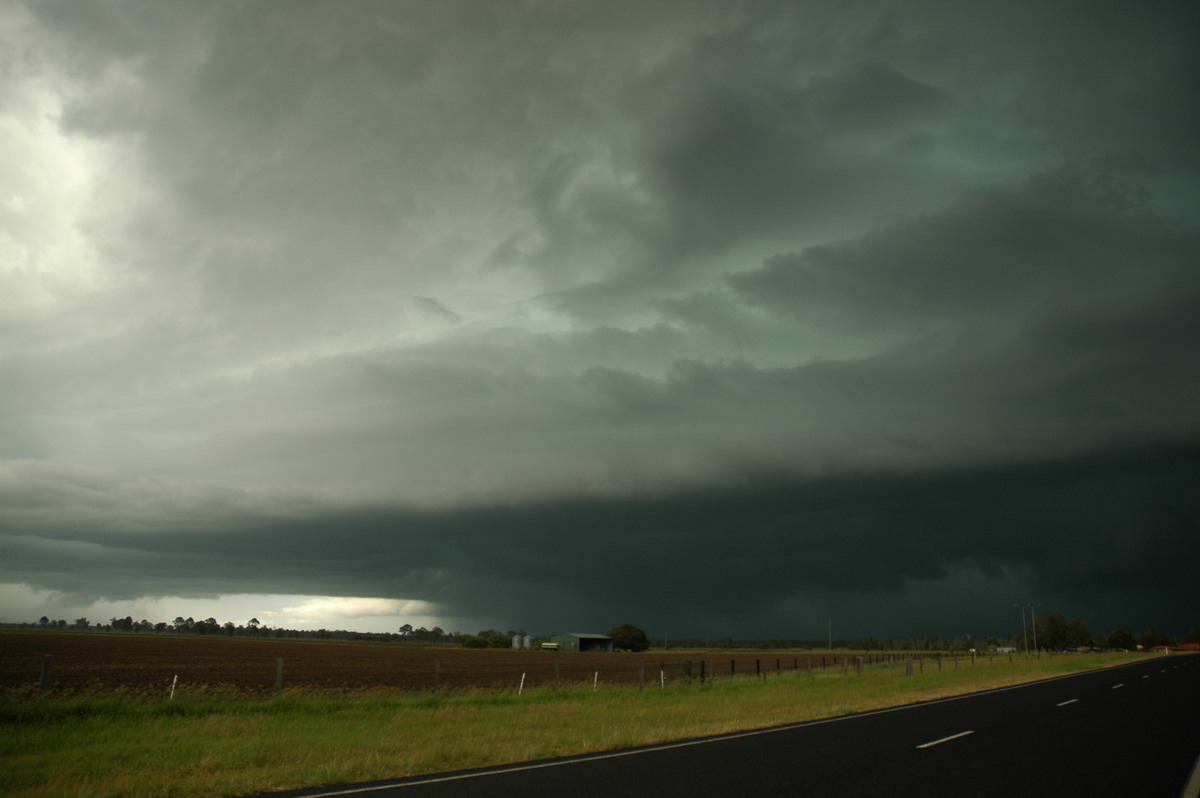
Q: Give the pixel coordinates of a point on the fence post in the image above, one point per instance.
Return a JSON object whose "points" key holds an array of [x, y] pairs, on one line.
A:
{"points": [[47, 666], [278, 675], [732, 668], [908, 667], [642, 676]]}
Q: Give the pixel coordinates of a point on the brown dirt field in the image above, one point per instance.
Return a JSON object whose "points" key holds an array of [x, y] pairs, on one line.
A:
{"points": [[108, 662]]}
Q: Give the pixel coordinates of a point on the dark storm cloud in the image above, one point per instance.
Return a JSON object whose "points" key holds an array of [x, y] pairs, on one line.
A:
{"points": [[698, 314], [1081, 532]]}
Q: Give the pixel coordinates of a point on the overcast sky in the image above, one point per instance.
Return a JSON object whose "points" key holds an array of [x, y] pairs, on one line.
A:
{"points": [[714, 318]]}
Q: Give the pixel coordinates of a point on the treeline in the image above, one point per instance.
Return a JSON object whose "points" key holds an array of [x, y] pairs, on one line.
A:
{"points": [[252, 628], [1048, 632]]}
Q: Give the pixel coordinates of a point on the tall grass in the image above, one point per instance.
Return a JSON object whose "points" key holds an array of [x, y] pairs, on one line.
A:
{"points": [[211, 746]]}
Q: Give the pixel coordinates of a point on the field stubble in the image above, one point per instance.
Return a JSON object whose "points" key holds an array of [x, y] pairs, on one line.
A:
{"points": [[98, 663]]}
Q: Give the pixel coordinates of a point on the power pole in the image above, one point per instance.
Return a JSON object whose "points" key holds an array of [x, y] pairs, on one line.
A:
{"points": [[1032, 621], [1024, 629]]}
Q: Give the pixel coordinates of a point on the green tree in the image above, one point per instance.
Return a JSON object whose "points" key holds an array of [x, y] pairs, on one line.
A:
{"points": [[1078, 634], [1122, 638], [1154, 637], [629, 638], [1051, 629]]}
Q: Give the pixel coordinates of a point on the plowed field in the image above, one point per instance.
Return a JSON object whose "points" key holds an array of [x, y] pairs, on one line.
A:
{"points": [[99, 662]]}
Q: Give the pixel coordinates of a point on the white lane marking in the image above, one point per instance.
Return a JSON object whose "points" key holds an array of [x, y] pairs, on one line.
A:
{"points": [[1118, 686], [932, 743], [1068, 701], [1147, 676]]}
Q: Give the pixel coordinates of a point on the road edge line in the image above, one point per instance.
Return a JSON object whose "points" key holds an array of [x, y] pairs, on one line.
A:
{"points": [[1192, 788]]}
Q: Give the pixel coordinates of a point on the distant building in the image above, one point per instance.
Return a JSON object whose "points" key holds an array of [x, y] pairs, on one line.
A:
{"points": [[582, 642], [1006, 649]]}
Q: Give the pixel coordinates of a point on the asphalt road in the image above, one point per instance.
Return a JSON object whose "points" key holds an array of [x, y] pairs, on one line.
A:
{"points": [[1129, 731]]}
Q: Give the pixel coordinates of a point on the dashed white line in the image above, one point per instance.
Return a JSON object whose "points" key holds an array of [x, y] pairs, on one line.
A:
{"points": [[1118, 686], [1068, 701], [932, 743], [1147, 676]]}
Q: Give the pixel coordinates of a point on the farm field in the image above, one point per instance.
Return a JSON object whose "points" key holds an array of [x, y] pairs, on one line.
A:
{"points": [[355, 712], [96, 663]]}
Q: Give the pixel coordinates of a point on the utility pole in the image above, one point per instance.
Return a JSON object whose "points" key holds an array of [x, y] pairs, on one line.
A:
{"points": [[1032, 621], [1024, 629]]}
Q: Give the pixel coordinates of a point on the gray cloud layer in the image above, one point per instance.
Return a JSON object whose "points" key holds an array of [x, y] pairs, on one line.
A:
{"points": [[694, 313]]}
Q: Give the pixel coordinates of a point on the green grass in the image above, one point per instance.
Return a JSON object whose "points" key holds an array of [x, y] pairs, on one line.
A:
{"points": [[122, 746]]}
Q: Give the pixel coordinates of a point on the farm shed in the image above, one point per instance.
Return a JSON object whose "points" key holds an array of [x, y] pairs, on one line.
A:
{"points": [[582, 642]]}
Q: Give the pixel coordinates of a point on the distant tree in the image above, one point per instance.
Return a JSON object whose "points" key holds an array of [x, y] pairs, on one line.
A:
{"points": [[1051, 628], [1121, 638], [629, 638], [1153, 637], [1078, 634], [406, 631], [207, 626], [82, 623], [43, 622]]}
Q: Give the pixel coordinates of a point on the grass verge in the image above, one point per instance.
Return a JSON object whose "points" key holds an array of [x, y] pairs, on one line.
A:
{"points": [[202, 747]]}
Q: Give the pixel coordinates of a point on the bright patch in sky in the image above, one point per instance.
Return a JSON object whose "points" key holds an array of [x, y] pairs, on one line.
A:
{"points": [[25, 604]]}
